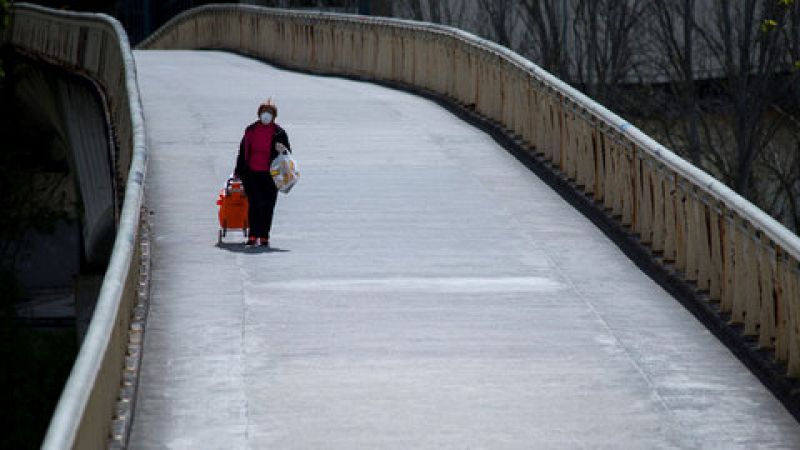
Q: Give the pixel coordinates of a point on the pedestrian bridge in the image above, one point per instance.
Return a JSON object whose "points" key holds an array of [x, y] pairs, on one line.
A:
{"points": [[425, 288]]}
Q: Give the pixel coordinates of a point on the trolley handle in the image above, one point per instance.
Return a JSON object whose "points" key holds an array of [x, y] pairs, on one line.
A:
{"points": [[231, 180]]}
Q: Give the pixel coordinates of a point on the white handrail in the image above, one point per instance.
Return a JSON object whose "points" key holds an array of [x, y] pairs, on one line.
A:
{"points": [[73, 404], [71, 411], [738, 254], [699, 178]]}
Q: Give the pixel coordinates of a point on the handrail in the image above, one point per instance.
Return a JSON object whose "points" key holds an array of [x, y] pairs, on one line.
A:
{"points": [[96, 46], [778, 232], [743, 258]]}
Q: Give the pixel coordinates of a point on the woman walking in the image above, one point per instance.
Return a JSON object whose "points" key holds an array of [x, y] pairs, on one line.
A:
{"points": [[256, 153]]}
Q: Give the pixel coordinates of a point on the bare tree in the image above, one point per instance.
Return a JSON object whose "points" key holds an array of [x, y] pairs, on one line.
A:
{"points": [[431, 10], [498, 20], [793, 39], [723, 73], [726, 69], [676, 32], [748, 41], [434, 11], [779, 182], [410, 8], [546, 29], [605, 44], [451, 12]]}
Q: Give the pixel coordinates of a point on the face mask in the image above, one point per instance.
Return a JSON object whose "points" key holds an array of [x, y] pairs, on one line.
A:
{"points": [[266, 118]]}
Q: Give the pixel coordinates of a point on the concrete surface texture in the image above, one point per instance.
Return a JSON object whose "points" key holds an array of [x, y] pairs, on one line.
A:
{"points": [[425, 290]]}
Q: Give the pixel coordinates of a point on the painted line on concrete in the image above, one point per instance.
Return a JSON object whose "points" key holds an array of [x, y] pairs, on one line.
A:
{"points": [[427, 284]]}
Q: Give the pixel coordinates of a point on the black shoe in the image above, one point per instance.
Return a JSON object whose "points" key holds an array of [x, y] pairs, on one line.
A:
{"points": [[264, 243], [250, 242]]}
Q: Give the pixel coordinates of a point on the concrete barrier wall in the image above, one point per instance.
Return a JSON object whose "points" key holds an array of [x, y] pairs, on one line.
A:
{"points": [[96, 46], [86, 129], [743, 258]]}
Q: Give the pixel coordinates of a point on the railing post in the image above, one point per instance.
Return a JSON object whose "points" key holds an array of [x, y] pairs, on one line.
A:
{"points": [[692, 220], [767, 273]]}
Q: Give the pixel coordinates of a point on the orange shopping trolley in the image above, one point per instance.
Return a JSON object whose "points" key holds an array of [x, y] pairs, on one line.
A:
{"points": [[232, 203]]}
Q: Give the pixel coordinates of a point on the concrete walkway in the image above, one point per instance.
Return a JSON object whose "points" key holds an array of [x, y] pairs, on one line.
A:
{"points": [[426, 291]]}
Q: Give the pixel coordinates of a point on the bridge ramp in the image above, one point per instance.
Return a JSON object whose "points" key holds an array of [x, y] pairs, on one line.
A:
{"points": [[425, 290]]}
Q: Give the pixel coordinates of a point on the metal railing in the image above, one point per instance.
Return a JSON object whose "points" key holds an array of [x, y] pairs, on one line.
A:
{"points": [[96, 46], [744, 259], [740, 256]]}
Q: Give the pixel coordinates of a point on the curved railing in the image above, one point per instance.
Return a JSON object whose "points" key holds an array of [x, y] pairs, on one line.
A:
{"points": [[742, 257], [96, 46]]}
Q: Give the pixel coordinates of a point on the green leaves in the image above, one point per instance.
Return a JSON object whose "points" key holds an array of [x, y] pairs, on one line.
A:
{"points": [[768, 25]]}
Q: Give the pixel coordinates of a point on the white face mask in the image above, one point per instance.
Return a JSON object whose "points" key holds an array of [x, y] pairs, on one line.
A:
{"points": [[266, 118]]}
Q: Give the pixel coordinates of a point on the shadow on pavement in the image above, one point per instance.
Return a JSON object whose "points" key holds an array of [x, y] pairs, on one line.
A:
{"points": [[239, 247]]}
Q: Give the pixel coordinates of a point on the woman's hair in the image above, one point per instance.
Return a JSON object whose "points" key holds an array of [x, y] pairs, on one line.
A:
{"points": [[268, 106]]}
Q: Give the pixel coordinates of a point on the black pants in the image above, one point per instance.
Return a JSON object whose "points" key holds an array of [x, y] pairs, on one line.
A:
{"points": [[261, 196]]}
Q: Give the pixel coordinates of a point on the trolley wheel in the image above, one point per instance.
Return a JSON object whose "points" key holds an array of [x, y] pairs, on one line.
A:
{"points": [[219, 236], [224, 232], [244, 232]]}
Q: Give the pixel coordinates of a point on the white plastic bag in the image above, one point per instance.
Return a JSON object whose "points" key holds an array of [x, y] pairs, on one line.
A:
{"points": [[284, 169]]}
